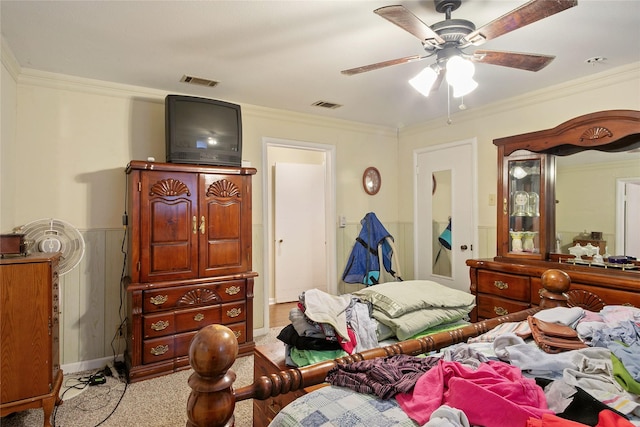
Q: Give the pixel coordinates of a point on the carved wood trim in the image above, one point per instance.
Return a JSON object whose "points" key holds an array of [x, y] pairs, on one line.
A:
{"points": [[223, 188], [198, 296], [609, 130], [169, 187], [596, 132]]}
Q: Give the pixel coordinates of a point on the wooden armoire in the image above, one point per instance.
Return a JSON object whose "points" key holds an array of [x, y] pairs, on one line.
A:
{"points": [[189, 261]]}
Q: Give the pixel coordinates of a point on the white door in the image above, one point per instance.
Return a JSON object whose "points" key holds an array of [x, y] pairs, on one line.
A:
{"points": [[445, 213], [628, 237], [300, 236]]}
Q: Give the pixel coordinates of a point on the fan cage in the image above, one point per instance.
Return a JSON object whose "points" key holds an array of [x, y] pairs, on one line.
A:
{"points": [[55, 235]]}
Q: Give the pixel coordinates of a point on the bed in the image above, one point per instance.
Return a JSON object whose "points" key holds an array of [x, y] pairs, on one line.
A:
{"points": [[213, 396]]}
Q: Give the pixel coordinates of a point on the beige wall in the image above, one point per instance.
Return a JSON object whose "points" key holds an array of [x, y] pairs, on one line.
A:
{"points": [[73, 139], [66, 141]]}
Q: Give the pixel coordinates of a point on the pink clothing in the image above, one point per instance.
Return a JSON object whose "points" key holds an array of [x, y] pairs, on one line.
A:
{"points": [[494, 395]]}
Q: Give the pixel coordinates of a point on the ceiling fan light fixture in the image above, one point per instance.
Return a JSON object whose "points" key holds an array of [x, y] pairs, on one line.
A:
{"points": [[424, 80], [460, 73], [464, 87]]}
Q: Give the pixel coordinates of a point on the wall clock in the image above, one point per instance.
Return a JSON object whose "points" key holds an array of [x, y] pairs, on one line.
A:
{"points": [[371, 180]]}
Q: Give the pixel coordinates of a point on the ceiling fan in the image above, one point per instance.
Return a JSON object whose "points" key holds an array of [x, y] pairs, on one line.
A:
{"points": [[450, 37]]}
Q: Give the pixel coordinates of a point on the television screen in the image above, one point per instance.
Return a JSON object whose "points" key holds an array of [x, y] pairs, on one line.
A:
{"points": [[203, 131]]}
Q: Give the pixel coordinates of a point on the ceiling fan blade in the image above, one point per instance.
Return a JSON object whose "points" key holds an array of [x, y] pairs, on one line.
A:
{"points": [[383, 64], [526, 14], [406, 20], [522, 61]]}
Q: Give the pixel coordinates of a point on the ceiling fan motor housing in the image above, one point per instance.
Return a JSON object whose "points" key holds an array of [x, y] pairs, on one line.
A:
{"points": [[444, 6]]}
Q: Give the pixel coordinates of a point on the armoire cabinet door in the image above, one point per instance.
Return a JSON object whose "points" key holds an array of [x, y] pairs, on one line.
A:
{"points": [[168, 226], [225, 233]]}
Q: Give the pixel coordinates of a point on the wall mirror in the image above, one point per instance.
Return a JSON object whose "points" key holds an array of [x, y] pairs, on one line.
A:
{"points": [[588, 199], [442, 230]]}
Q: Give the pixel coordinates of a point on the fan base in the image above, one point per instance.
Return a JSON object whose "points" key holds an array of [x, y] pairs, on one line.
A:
{"points": [[443, 6]]}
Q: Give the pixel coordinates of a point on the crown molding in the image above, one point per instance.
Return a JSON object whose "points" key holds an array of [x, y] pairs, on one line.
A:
{"points": [[9, 60]]}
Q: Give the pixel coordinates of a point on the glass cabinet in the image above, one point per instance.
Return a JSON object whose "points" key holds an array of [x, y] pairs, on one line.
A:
{"points": [[524, 193]]}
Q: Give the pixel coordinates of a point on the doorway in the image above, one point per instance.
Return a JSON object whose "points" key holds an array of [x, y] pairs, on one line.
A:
{"points": [[445, 214], [292, 156], [627, 214]]}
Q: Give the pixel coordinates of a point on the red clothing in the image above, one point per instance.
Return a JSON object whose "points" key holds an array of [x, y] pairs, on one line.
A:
{"points": [[494, 395]]}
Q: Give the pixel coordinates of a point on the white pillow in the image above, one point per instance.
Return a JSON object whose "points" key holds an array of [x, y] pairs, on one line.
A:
{"points": [[398, 298]]}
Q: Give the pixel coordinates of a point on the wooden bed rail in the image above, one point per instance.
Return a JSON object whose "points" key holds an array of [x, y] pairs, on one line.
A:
{"points": [[214, 349]]}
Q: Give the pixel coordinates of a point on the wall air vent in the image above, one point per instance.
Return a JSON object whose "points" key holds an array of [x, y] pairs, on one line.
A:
{"points": [[325, 104], [198, 81]]}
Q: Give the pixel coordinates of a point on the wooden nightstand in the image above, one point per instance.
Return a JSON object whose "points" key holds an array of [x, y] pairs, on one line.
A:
{"points": [[269, 358]]}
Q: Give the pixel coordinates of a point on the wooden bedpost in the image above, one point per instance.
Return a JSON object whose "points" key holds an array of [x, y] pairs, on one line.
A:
{"points": [[212, 400], [555, 284]]}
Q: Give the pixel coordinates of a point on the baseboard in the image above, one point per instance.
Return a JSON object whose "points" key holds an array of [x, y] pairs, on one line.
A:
{"points": [[90, 365]]}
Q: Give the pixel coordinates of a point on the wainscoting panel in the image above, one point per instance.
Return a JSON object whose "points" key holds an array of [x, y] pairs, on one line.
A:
{"points": [[91, 299]]}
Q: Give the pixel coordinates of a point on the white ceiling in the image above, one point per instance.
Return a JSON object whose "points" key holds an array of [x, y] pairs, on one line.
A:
{"points": [[289, 54]]}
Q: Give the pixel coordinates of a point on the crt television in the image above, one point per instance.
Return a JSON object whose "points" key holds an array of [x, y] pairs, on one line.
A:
{"points": [[203, 131]]}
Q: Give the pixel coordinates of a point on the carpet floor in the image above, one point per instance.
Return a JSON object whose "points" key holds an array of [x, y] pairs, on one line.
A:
{"points": [[157, 402]]}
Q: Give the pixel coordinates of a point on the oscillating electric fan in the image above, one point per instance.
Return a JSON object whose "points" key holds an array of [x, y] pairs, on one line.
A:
{"points": [[54, 235]]}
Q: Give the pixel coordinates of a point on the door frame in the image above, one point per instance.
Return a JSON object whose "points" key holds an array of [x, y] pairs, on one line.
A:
{"points": [[621, 183], [268, 214], [473, 144]]}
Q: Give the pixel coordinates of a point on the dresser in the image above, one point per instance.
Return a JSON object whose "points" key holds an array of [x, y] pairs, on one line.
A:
{"points": [[504, 286], [189, 261], [527, 212], [29, 323]]}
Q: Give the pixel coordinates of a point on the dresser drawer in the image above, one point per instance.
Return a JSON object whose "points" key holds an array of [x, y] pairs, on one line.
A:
{"points": [[183, 342], [240, 331], [233, 312], [158, 349], [193, 295], [196, 318], [490, 306], [504, 285], [158, 325]]}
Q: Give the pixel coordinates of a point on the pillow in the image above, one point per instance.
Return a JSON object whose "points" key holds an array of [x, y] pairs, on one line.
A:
{"points": [[417, 321], [397, 298]]}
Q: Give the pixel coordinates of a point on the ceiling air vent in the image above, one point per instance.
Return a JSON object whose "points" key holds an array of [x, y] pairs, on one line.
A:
{"points": [[325, 104], [198, 81]]}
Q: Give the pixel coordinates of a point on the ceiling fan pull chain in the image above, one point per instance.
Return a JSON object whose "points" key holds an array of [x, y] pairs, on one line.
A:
{"points": [[449, 121]]}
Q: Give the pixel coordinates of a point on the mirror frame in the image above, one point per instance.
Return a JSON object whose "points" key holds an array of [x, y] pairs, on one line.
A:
{"points": [[607, 131]]}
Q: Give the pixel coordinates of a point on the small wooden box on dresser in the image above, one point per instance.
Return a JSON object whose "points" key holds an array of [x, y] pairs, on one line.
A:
{"points": [[189, 232], [29, 323]]}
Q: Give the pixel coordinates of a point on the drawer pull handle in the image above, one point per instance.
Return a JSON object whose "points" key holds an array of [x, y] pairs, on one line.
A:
{"points": [[160, 325], [237, 334], [202, 225], [234, 312], [194, 223], [500, 311], [232, 290], [159, 350], [198, 317], [501, 285], [159, 300]]}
